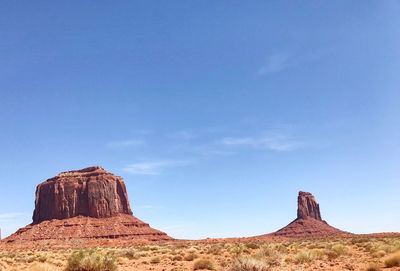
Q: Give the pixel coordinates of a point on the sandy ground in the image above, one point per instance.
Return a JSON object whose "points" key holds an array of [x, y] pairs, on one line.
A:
{"points": [[357, 253]]}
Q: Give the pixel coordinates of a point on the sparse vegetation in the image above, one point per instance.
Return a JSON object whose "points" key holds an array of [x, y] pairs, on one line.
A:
{"points": [[155, 260], [92, 260], [393, 260], [373, 267], [368, 254], [249, 264], [203, 264], [190, 257]]}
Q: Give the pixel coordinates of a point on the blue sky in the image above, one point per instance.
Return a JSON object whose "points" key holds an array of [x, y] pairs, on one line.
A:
{"points": [[216, 113]]}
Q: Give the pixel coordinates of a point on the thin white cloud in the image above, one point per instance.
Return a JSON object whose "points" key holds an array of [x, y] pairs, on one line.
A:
{"points": [[184, 135], [148, 207], [274, 142], [125, 143], [275, 63], [154, 167], [10, 216], [11, 222]]}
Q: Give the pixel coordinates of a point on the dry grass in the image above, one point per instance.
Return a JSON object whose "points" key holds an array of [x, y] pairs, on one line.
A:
{"points": [[373, 267], [393, 260], [92, 260], [249, 264], [204, 264], [326, 254]]}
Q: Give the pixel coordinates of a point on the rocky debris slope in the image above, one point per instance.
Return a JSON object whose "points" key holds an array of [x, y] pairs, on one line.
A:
{"points": [[308, 222], [84, 204]]}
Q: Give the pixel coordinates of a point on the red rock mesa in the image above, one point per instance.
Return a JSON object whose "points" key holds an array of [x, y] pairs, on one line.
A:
{"points": [[89, 192], [81, 206]]}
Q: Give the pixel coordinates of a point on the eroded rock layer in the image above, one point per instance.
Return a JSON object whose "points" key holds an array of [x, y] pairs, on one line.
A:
{"points": [[307, 206], [83, 206], [80, 229], [91, 192]]}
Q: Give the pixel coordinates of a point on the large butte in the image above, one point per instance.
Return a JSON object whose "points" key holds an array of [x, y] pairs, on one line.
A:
{"points": [[87, 206]]}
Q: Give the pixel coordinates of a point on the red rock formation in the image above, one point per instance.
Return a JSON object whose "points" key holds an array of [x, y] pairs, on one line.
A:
{"points": [[87, 192], [87, 204], [308, 222], [307, 206]]}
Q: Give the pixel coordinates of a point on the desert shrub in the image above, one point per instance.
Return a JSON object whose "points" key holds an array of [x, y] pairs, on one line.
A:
{"points": [[177, 258], [155, 260], [43, 267], [190, 257], [92, 260], [281, 248], [330, 254], [129, 254], [308, 256], [252, 245], [373, 267], [393, 260], [339, 249], [379, 254], [249, 264], [238, 249], [359, 240], [154, 248], [41, 258], [266, 251], [269, 255], [215, 250], [203, 264]]}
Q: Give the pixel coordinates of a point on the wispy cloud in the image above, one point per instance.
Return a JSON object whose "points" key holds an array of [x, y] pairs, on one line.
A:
{"points": [[125, 143], [184, 135], [154, 167], [148, 207], [274, 142], [10, 222], [11, 216], [275, 63]]}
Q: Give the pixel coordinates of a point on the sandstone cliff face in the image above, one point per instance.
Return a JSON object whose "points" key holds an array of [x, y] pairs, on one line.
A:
{"points": [[307, 206], [89, 192], [87, 207]]}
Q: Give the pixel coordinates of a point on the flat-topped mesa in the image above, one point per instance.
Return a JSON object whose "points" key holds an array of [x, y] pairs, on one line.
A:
{"points": [[307, 206], [91, 192], [86, 207]]}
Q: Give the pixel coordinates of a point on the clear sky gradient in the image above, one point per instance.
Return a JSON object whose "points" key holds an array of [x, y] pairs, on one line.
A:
{"points": [[216, 113]]}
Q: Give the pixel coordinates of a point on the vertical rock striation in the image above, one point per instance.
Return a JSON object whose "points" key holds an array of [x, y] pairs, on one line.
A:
{"points": [[91, 192], [84, 207], [308, 223], [307, 206]]}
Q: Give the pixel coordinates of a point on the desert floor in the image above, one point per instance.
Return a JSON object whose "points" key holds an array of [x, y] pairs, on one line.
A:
{"points": [[328, 254]]}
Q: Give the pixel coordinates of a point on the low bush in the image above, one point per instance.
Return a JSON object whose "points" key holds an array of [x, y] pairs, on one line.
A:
{"points": [[373, 267], [249, 264], [155, 260], [393, 260], [91, 260], [190, 257], [205, 264]]}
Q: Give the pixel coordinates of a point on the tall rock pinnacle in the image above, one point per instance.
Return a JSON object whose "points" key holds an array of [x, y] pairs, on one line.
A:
{"points": [[308, 222], [307, 206]]}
